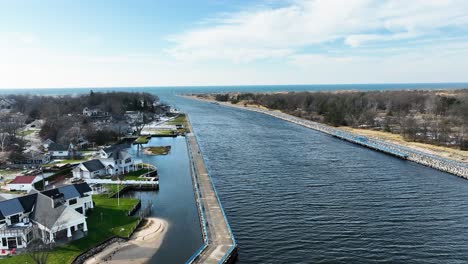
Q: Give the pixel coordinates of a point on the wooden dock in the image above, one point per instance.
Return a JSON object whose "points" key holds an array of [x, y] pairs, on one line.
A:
{"points": [[219, 243]]}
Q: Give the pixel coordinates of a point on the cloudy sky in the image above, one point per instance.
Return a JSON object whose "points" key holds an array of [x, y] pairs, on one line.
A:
{"points": [[90, 43]]}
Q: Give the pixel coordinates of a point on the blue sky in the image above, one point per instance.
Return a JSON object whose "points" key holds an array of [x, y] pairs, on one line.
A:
{"points": [[207, 42]]}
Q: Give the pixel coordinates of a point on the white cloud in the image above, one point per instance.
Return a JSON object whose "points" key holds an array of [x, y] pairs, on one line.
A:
{"points": [[276, 32]]}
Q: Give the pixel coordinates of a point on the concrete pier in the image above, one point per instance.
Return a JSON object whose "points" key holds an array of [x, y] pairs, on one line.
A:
{"points": [[219, 243]]}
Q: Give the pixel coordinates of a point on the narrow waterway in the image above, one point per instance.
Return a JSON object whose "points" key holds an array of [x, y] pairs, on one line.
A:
{"points": [[294, 195], [174, 201]]}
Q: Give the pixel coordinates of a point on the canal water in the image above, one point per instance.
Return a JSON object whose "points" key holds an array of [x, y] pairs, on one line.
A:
{"points": [[174, 201], [294, 195]]}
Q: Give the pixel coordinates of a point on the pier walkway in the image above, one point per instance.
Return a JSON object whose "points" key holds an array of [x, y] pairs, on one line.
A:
{"points": [[219, 243]]}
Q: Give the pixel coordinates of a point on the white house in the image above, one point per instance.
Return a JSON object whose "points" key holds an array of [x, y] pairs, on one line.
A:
{"points": [[113, 160], [51, 215], [89, 169], [23, 183], [60, 151]]}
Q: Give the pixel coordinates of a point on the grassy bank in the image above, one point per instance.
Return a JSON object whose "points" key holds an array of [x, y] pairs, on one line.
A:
{"points": [[106, 220], [180, 120], [159, 150]]}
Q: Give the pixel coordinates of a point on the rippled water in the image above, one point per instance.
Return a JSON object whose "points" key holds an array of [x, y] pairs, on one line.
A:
{"points": [[294, 195]]}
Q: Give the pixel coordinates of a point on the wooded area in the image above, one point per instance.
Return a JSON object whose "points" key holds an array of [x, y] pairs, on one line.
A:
{"points": [[97, 118], [436, 117]]}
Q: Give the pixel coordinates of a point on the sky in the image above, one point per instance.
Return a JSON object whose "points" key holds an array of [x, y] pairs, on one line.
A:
{"points": [[108, 43]]}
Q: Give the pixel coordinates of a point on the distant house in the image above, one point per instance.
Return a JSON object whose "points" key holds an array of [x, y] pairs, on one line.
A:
{"points": [[31, 159], [6, 104], [23, 183], [113, 160], [95, 113], [134, 116], [55, 214], [59, 151], [47, 143]]}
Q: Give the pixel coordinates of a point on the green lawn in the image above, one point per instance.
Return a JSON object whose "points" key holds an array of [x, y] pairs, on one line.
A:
{"points": [[163, 132], [141, 140], [134, 175], [180, 120], [115, 222], [158, 150], [25, 132]]}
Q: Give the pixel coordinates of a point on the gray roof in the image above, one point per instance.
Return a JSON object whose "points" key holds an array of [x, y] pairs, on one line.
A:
{"points": [[56, 147], [11, 207], [69, 191], [45, 213], [116, 147], [41, 204], [93, 165]]}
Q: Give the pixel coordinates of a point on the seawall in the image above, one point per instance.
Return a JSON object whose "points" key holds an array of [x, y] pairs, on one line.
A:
{"points": [[219, 244], [443, 164]]}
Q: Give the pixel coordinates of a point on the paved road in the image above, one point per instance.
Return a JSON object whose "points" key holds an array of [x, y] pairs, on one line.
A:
{"points": [[219, 237]]}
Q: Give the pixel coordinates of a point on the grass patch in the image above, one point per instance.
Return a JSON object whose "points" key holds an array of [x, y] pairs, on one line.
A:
{"points": [[163, 132], [160, 150], [26, 132], [115, 222], [142, 140], [135, 175], [180, 120]]}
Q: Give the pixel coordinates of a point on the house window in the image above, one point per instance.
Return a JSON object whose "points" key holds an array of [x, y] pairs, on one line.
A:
{"points": [[20, 241], [14, 219], [4, 242], [72, 201], [79, 210]]}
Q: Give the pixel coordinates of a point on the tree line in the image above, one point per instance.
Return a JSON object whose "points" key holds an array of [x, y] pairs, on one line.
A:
{"points": [[63, 120], [432, 116]]}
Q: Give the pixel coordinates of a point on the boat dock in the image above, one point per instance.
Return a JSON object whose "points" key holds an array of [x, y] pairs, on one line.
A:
{"points": [[219, 244]]}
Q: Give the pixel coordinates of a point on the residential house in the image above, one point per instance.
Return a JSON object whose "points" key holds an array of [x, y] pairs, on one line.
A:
{"points": [[95, 113], [51, 215], [134, 116], [23, 183], [47, 143], [31, 159], [113, 160], [59, 151], [6, 104], [89, 169]]}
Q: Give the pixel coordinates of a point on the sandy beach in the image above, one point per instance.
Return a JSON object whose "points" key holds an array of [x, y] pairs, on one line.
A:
{"points": [[139, 249]]}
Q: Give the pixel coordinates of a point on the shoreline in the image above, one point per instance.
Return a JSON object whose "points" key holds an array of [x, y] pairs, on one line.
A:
{"points": [[141, 246], [445, 164]]}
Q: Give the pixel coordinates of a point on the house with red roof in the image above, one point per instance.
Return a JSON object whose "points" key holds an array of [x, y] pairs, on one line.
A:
{"points": [[23, 183]]}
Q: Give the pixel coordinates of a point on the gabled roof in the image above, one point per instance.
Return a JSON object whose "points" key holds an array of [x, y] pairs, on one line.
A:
{"points": [[23, 180], [42, 206], [116, 147], [82, 188], [69, 191], [56, 147], [45, 213], [11, 207], [93, 165]]}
